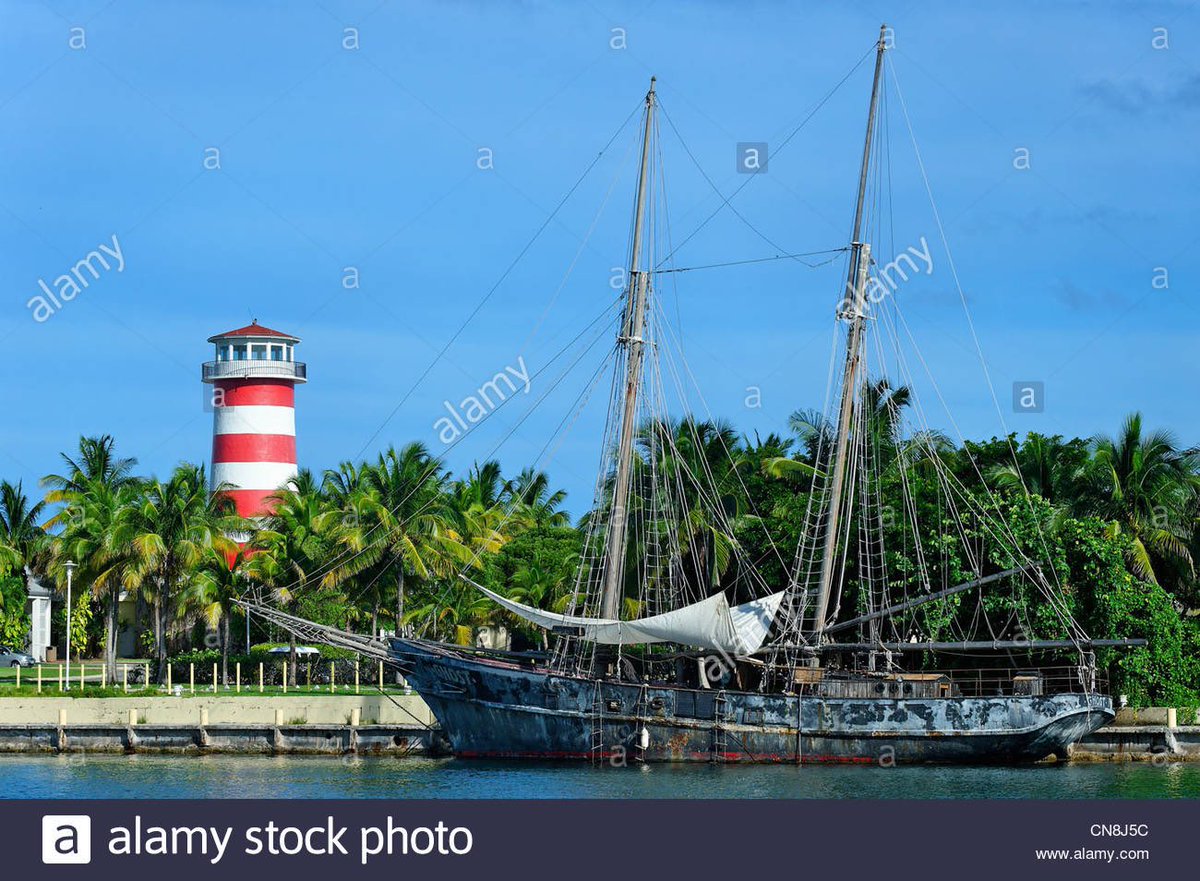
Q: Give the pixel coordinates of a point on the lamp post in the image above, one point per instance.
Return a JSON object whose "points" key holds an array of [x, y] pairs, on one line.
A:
{"points": [[70, 567]]}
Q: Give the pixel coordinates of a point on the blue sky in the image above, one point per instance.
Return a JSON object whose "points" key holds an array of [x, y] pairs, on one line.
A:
{"points": [[333, 157]]}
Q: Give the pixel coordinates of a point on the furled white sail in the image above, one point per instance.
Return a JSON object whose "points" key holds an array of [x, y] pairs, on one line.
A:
{"points": [[710, 623]]}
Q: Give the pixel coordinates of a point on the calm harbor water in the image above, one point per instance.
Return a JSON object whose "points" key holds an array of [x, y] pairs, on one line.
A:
{"points": [[291, 777]]}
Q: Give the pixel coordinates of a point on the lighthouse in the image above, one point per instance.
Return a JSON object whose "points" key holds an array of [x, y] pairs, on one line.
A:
{"points": [[254, 376]]}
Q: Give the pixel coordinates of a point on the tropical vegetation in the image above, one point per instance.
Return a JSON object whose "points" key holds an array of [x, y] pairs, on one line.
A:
{"points": [[382, 544]]}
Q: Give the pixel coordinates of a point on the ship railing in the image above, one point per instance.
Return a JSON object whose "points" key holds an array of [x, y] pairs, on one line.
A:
{"points": [[953, 683], [1009, 681]]}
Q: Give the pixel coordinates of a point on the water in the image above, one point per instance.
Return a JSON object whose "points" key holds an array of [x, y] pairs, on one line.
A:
{"points": [[143, 776]]}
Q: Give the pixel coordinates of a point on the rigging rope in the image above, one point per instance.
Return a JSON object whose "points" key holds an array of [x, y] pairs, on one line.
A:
{"points": [[834, 251], [491, 291], [726, 201]]}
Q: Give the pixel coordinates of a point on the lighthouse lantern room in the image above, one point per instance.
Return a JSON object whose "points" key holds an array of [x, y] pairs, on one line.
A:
{"points": [[254, 376]]}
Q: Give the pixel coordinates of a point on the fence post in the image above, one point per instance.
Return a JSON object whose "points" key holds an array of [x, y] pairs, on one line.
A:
{"points": [[332, 676], [356, 675], [192, 676], [168, 676], [308, 673], [285, 676], [260, 677], [39, 678], [237, 677], [125, 678], [60, 677], [146, 675], [214, 678], [381, 675], [82, 676], [18, 675]]}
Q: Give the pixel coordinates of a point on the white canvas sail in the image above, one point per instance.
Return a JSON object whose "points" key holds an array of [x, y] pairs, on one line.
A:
{"points": [[710, 623]]}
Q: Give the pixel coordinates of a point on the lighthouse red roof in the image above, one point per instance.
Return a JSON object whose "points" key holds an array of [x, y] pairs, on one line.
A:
{"points": [[256, 330]]}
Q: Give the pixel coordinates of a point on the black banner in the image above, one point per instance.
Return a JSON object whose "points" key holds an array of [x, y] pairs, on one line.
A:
{"points": [[578, 840]]}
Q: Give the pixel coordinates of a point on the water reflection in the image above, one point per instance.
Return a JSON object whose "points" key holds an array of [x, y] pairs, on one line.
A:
{"points": [[144, 776]]}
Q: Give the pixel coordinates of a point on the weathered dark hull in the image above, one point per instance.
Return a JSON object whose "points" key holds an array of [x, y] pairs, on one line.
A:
{"points": [[490, 708]]}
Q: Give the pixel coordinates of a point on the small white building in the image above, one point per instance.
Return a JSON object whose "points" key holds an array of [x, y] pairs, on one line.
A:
{"points": [[39, 615]]}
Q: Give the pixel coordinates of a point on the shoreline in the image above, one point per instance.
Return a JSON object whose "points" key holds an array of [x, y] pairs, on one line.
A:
{"points": [[1115, 744], [228, 739], [381, 724]]}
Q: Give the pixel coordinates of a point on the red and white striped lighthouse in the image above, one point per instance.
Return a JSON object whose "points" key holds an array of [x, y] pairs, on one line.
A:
{"points": [[254, 381]]}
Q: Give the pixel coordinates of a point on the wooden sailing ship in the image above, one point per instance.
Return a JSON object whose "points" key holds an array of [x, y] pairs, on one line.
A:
{"points": [[772, 678], [743, 671]]}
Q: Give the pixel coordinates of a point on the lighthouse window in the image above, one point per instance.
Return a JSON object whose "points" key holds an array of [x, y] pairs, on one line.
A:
{"points": [[258, 353], [239, 353], [289, 353], [222, 353], [276, 353]]}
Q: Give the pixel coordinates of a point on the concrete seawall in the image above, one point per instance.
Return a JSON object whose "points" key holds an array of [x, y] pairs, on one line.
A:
{"points": [[245, 739], [310, 709], [376, 724], [1139, 743], [306, 724]]}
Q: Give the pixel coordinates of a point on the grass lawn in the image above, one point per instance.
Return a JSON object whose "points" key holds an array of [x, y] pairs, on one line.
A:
{"points": [[8, 675]]}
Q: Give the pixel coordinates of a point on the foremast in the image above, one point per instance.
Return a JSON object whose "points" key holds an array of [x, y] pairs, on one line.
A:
{"points": [[853, 311], [632, 338]]}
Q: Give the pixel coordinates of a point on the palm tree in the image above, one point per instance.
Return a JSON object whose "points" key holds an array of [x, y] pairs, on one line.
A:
{"points": [[93, 488], [541, 586], [170, 529], [484, 512], [90, 539], [96, 463], [406, 524], [883, 435], [347, 493], [292, 549], [23, 542], [212, 594], [698, 466], [1047, 467], [454, 613], [1148, 489], [535, 502]]}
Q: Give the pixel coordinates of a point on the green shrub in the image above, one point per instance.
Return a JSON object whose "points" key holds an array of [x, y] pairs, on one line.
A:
{"points": [[328, 653]]}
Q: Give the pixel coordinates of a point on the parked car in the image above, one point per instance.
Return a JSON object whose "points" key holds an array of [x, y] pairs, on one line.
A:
{"points": [[12, 658], [302, 651]]}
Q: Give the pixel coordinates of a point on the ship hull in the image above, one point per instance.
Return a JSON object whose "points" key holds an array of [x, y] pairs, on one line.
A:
{"points": [[494, 709]]}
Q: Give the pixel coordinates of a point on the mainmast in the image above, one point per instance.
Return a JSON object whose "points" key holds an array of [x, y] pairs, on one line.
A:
{"points": [[854, 312], [631, 337]]}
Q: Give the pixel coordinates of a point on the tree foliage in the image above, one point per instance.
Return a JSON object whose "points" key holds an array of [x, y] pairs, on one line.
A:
{"points": [[381, 544]]}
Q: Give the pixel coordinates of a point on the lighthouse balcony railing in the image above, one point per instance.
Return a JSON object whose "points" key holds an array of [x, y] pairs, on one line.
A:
{"points": [[254, 369]]}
